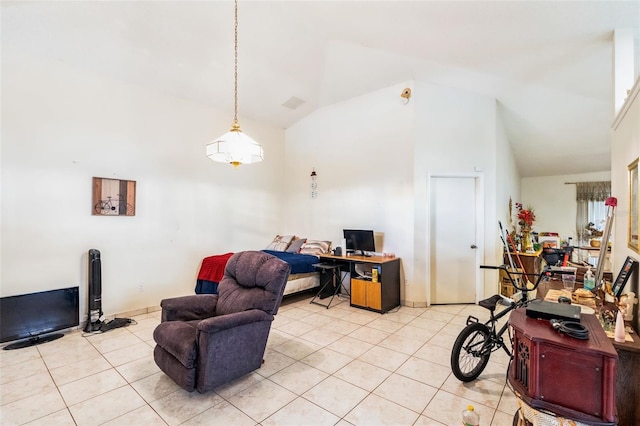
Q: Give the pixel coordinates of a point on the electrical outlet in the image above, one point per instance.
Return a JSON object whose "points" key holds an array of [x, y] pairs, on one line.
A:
{"points": [[140, 289]]}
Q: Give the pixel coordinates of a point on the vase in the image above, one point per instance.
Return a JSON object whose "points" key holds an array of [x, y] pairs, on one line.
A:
{"points": [[527, 243]]}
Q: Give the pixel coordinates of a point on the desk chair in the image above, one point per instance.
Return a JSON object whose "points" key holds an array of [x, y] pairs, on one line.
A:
{"points": [[336, 281]]}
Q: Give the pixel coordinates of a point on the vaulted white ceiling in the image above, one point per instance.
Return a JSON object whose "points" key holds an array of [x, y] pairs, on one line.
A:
{"points": [[549, 64]]}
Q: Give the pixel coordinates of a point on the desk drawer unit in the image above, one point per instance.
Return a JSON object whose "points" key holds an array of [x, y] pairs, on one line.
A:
{"points": [[380, 294], [366, 294], [572, 378]]}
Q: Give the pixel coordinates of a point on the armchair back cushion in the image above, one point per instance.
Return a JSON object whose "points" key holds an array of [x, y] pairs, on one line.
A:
{"points": [[252, 280]]}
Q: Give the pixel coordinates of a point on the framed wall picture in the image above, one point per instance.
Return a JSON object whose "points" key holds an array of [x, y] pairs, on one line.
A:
{"points": [[634, 206], [113, 197]]}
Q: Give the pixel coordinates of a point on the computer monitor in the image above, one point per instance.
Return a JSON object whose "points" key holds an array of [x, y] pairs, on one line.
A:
{"points": [[359, 240]]}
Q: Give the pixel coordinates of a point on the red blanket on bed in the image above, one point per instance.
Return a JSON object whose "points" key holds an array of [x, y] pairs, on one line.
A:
{"points": [[212, 268]]}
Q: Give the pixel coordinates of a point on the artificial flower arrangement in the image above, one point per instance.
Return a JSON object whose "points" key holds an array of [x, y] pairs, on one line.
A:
{"points": [[526, 217]]}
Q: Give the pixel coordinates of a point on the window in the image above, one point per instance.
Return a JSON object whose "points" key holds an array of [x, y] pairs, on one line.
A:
{"points": [[597, 214], [592, 213]]}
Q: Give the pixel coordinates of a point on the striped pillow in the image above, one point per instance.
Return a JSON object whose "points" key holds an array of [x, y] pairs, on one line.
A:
{"points": [[280, 243], [315, 247]]}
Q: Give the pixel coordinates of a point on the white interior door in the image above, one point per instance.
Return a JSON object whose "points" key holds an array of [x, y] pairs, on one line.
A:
{"points": [[453, 260]]}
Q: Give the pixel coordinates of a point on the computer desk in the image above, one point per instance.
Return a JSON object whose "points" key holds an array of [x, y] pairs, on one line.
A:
{"points": [[378, 296]]}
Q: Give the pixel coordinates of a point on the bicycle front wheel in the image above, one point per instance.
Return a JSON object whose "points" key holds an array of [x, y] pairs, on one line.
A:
{"points": [[101, 207], [470, 353]]}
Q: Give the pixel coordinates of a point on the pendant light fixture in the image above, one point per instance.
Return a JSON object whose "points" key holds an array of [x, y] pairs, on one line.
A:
{"points": [[235, 147]]}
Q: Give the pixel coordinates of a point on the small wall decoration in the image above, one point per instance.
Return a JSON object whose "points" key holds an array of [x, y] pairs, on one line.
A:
{"points": [[113, 197], [634, 206], [314, 184]]}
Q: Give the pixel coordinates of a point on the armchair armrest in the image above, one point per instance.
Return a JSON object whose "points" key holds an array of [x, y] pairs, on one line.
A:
{"points": [[187, 308], [225, 322]]}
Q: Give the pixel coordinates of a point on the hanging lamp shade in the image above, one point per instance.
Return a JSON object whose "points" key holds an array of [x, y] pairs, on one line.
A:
{"points": [[235, 147]]}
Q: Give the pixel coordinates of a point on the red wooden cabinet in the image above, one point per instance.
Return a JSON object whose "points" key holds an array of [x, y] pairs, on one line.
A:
{"points": [[572, 378]]}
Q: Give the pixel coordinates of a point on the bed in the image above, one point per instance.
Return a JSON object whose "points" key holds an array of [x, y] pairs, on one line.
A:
{"points": [[303, 275]]}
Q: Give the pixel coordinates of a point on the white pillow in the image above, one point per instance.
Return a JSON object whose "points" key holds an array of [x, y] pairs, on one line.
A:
{"points": [[315, 247], [280, 243]]}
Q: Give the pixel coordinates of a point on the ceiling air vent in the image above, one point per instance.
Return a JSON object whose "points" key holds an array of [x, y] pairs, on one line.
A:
{"points": [[293, 103]]}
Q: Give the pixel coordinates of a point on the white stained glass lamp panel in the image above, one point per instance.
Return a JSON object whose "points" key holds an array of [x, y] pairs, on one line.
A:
{"points": [[235, 148]]}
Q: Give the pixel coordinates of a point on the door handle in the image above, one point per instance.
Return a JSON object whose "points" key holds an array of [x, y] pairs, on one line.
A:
{"points": [[473, 246]]}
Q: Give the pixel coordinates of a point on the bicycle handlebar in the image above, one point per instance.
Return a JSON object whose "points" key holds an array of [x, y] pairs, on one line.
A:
{"points": [[547, 271]]}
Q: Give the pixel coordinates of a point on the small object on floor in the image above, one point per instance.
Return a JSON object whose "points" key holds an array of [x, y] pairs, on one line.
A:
{"points": [[104, 326], [115, 323], [470, 417]]}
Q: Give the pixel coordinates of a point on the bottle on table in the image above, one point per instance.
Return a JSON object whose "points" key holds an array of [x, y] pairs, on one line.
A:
{"points": [[470, 417], [589, 280]]}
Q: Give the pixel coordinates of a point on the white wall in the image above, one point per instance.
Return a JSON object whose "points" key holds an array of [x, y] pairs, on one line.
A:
{"points": [[362, 151], [507, 188], [372, 155], [554, 202], [507, 175], [625, 149], [61, 126], [455, 133]]}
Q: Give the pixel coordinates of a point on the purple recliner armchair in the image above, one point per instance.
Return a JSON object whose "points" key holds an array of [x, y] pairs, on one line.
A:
{"points": [[207, 340]]}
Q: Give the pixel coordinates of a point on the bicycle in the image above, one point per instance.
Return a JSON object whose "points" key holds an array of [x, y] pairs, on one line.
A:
{"points": [[109, 207], [475, 343]]}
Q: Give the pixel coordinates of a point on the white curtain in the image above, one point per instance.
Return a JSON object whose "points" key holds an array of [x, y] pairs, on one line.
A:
{"points": [[582, 218], [590, 198]]}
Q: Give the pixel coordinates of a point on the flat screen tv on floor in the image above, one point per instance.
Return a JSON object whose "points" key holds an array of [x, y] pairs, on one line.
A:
{"points": [[33, 316]]}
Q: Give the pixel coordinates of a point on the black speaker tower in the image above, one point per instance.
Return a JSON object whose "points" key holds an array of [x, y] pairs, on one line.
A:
{"points": [[95, 292], [94, 316]]}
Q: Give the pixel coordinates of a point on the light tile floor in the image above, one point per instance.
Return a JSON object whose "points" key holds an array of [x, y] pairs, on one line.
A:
{"points": [[337, 366]]}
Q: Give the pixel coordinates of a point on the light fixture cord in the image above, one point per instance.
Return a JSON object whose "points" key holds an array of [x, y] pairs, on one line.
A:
{"points": [[235, 75]]}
